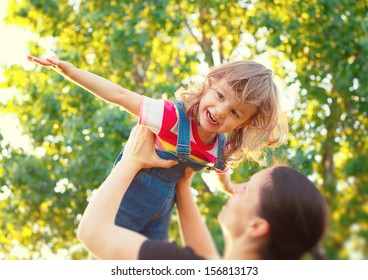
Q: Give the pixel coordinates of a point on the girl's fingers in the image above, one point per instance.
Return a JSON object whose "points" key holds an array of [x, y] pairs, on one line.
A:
{"points": [[32, 58], [53, 60], [39, 61]]}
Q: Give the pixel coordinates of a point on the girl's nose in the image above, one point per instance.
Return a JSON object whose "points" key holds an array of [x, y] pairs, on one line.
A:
{"points": [[221, 112]]}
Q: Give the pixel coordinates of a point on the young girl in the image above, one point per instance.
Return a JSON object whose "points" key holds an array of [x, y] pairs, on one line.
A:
{"points": [[238, 99]]}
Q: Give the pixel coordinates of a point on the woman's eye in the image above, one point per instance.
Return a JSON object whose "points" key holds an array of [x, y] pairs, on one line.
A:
{"points": [[220, 95]]}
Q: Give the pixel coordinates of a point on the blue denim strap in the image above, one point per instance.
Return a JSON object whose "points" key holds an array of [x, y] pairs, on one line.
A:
{"points": [[183, 144], [221, 141]]}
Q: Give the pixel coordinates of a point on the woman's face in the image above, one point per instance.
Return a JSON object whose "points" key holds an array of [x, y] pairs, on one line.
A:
{"points": [[242, 207]]}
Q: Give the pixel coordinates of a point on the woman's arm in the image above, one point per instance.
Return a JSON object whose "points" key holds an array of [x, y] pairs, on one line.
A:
{"points": [[95, 84], [97, 229], [194, 231]]}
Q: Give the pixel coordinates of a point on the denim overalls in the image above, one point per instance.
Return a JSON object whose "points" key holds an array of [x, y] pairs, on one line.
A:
{"points": [[148, 202]]}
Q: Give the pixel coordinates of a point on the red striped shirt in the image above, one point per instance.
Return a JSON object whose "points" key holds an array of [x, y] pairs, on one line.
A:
{"points": [[161, 117]]}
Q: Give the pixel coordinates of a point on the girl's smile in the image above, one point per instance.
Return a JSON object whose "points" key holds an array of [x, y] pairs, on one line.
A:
{"points": [[211, 120]]}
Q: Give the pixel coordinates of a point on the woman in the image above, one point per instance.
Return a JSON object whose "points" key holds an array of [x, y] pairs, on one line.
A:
{"points": [[279, 214]]}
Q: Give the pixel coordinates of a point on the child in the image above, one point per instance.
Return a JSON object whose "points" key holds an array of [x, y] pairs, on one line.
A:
{"points": [[238, 99]]}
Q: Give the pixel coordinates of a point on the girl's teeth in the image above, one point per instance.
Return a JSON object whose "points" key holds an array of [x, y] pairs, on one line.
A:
{"points": [[210, 116]]}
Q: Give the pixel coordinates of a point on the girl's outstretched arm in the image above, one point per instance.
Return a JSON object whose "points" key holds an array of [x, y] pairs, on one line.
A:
{"points": [[101, 87], [97, 229]]}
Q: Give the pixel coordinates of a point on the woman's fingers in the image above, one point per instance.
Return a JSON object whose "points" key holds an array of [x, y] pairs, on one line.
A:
{"points": [[141, 148], [189, 173], [165, 163]]}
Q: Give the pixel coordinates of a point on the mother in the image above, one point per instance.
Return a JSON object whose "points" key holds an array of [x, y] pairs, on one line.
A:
{"points": [[279, 214]]}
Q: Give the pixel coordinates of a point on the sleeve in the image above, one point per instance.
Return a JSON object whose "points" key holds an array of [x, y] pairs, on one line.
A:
{"points": [[158, 115], [151, 113], [160, 250]]}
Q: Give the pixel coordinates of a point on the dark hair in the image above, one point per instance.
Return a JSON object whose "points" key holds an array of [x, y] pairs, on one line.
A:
{"points": [[296, 212]]}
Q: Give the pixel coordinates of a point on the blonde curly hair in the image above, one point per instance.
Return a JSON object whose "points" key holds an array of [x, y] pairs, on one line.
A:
{"points": [[252, 84]]}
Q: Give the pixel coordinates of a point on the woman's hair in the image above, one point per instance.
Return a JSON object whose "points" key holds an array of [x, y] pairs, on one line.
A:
{"points": [[252, 84], [295, 211]]}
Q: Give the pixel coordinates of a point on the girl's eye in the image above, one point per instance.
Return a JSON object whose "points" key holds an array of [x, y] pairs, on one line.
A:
{"points": [[235, 114], [220, 96]]}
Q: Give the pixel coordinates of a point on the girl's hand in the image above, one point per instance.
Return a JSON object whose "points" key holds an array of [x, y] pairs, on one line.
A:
{"points": [[58, 65], [140, 150]]}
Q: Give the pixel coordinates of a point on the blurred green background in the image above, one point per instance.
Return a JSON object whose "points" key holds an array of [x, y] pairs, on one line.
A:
{"points": [[58, 142]]}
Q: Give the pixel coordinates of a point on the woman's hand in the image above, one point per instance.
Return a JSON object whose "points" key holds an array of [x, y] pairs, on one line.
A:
{"points": [[60, 66], [140, 150]]}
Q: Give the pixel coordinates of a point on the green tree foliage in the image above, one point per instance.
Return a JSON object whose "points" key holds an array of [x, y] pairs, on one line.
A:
{"points": [[327, 41], [154, 47]]}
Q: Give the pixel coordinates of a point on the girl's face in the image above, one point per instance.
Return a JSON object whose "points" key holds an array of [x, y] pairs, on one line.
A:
{"points": [[238, 213], [220, 111]]}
